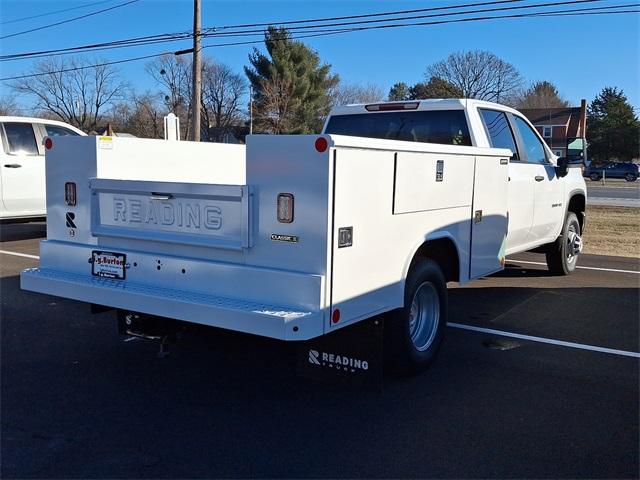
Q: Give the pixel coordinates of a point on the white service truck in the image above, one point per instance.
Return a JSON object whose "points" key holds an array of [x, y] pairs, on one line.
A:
{"points": [[295, 237]]}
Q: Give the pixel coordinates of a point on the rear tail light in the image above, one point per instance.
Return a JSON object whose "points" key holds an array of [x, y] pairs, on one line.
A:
{"points": [[70, 194], [321, 144], [285, 207]]}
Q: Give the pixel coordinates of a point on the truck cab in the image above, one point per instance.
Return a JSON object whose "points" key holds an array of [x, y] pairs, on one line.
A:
{"points": [[22, 164]]}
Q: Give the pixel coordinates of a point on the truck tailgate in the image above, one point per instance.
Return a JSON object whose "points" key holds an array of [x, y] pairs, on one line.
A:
{"points": [[183, 213]]}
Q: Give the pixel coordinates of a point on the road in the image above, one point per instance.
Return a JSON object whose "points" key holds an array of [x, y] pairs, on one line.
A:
{"points": [[79, 401], [615, 193]]}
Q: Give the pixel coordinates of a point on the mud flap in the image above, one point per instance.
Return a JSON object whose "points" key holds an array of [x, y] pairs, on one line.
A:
{"points": [[351, 356]]}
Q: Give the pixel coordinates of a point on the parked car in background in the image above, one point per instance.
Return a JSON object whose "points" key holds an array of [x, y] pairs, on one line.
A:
{"points": [[22, 171], [626, 170]]}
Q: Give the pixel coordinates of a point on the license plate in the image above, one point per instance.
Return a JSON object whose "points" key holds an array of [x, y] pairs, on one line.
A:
{"points": [[108, 264]]}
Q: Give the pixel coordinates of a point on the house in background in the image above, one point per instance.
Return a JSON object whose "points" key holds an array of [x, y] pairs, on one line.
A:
{"points": [[557, 125]]}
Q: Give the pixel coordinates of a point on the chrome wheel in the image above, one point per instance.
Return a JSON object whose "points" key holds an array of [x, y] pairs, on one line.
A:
{"points": [[574, 244], [424, 316]]}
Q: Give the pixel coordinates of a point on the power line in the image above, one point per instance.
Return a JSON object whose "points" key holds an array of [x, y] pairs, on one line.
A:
{"points": [[22, 19], [322, 33], [68, 20], [212, 30], [164, 38]]}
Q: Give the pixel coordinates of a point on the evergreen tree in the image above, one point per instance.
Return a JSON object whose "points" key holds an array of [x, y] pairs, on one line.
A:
{"points": [[291, 87], [613, 129], [434, 88], [399, 91]]}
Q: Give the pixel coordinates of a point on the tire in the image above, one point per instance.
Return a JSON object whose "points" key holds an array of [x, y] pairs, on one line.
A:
{"points": [[630, 177], [562, 256], [413, 334], [594, 177]]}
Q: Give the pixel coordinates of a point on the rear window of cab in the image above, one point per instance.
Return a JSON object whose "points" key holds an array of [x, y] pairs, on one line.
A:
{"points": [[447, 127]]}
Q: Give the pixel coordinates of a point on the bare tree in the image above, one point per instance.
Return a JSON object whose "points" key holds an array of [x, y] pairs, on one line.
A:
{"points": [[478, 74], [223, 91], [539, 95], [140, 115], [173, 75], [8, 106], [72, 90], [346, 93], [277, 105]]}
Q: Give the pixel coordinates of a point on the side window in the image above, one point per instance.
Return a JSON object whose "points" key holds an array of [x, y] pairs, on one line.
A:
{"points": [[532, 145], [21, 138], [56, 131], [500, 134]]}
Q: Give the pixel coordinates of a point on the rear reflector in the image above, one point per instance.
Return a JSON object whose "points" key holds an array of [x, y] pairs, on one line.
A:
{"points": [[285, 207], [48, 143], [70, 194], [385, 107]]}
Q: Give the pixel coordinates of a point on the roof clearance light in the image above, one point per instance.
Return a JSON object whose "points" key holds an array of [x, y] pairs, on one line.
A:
{"points": [[285, 208], [385, 107], [70, 194]]}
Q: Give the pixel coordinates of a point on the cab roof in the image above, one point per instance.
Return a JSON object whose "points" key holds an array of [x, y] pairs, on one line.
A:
{"points": [[427, 104]]}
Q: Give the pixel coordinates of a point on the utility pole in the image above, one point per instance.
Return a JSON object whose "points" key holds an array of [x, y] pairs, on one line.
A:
{"points": [[250, 109], [196, 95]]}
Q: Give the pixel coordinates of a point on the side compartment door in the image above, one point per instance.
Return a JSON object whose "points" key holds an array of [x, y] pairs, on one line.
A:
{"points": [[520, 189], [23, 176], [489, 216]]}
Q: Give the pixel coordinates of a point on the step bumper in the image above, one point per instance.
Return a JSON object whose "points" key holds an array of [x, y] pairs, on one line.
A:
{"points": [[275, 321]]}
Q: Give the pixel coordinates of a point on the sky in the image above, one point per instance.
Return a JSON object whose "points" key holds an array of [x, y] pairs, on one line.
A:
{"points": [[579, 54]]}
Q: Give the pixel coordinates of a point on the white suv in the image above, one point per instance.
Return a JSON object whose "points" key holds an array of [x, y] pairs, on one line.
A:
{"points": [[22, 172]]}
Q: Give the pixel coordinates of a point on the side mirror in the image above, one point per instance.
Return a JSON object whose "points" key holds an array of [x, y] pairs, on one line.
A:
{"points": [[562, 166]]}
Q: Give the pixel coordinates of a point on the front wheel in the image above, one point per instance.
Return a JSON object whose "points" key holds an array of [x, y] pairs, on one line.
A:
{"points": [[630, 177], [562, 255], [414, 333], [594, 177]]}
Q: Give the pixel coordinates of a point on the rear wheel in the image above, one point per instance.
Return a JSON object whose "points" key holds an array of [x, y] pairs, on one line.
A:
{"points": [[562, 255], [414, 333], [630, 177], [595, 177]]}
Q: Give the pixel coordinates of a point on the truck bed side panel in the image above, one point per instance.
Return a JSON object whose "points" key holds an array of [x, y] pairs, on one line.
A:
{"points": [[368, 277]]}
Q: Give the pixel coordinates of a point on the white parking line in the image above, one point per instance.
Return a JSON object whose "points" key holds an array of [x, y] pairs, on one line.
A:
{"points": [[615, 270], [16, 254], [550, 341]]}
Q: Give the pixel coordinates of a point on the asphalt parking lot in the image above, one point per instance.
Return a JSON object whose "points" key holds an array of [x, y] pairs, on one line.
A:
{"points": [[78, 401]]}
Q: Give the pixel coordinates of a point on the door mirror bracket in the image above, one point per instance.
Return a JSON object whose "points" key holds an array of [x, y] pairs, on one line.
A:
{"points": [[562, 166]]}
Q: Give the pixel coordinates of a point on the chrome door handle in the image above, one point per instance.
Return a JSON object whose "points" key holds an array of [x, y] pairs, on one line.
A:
{"points": [[539, 178], [12, 165]]}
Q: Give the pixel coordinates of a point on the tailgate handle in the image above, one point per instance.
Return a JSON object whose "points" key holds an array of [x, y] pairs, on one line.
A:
{"points": [[12, 165], [161, 196]]}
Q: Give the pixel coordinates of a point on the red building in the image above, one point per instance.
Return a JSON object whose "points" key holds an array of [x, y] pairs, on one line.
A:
{"points": [[557, 125]]}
